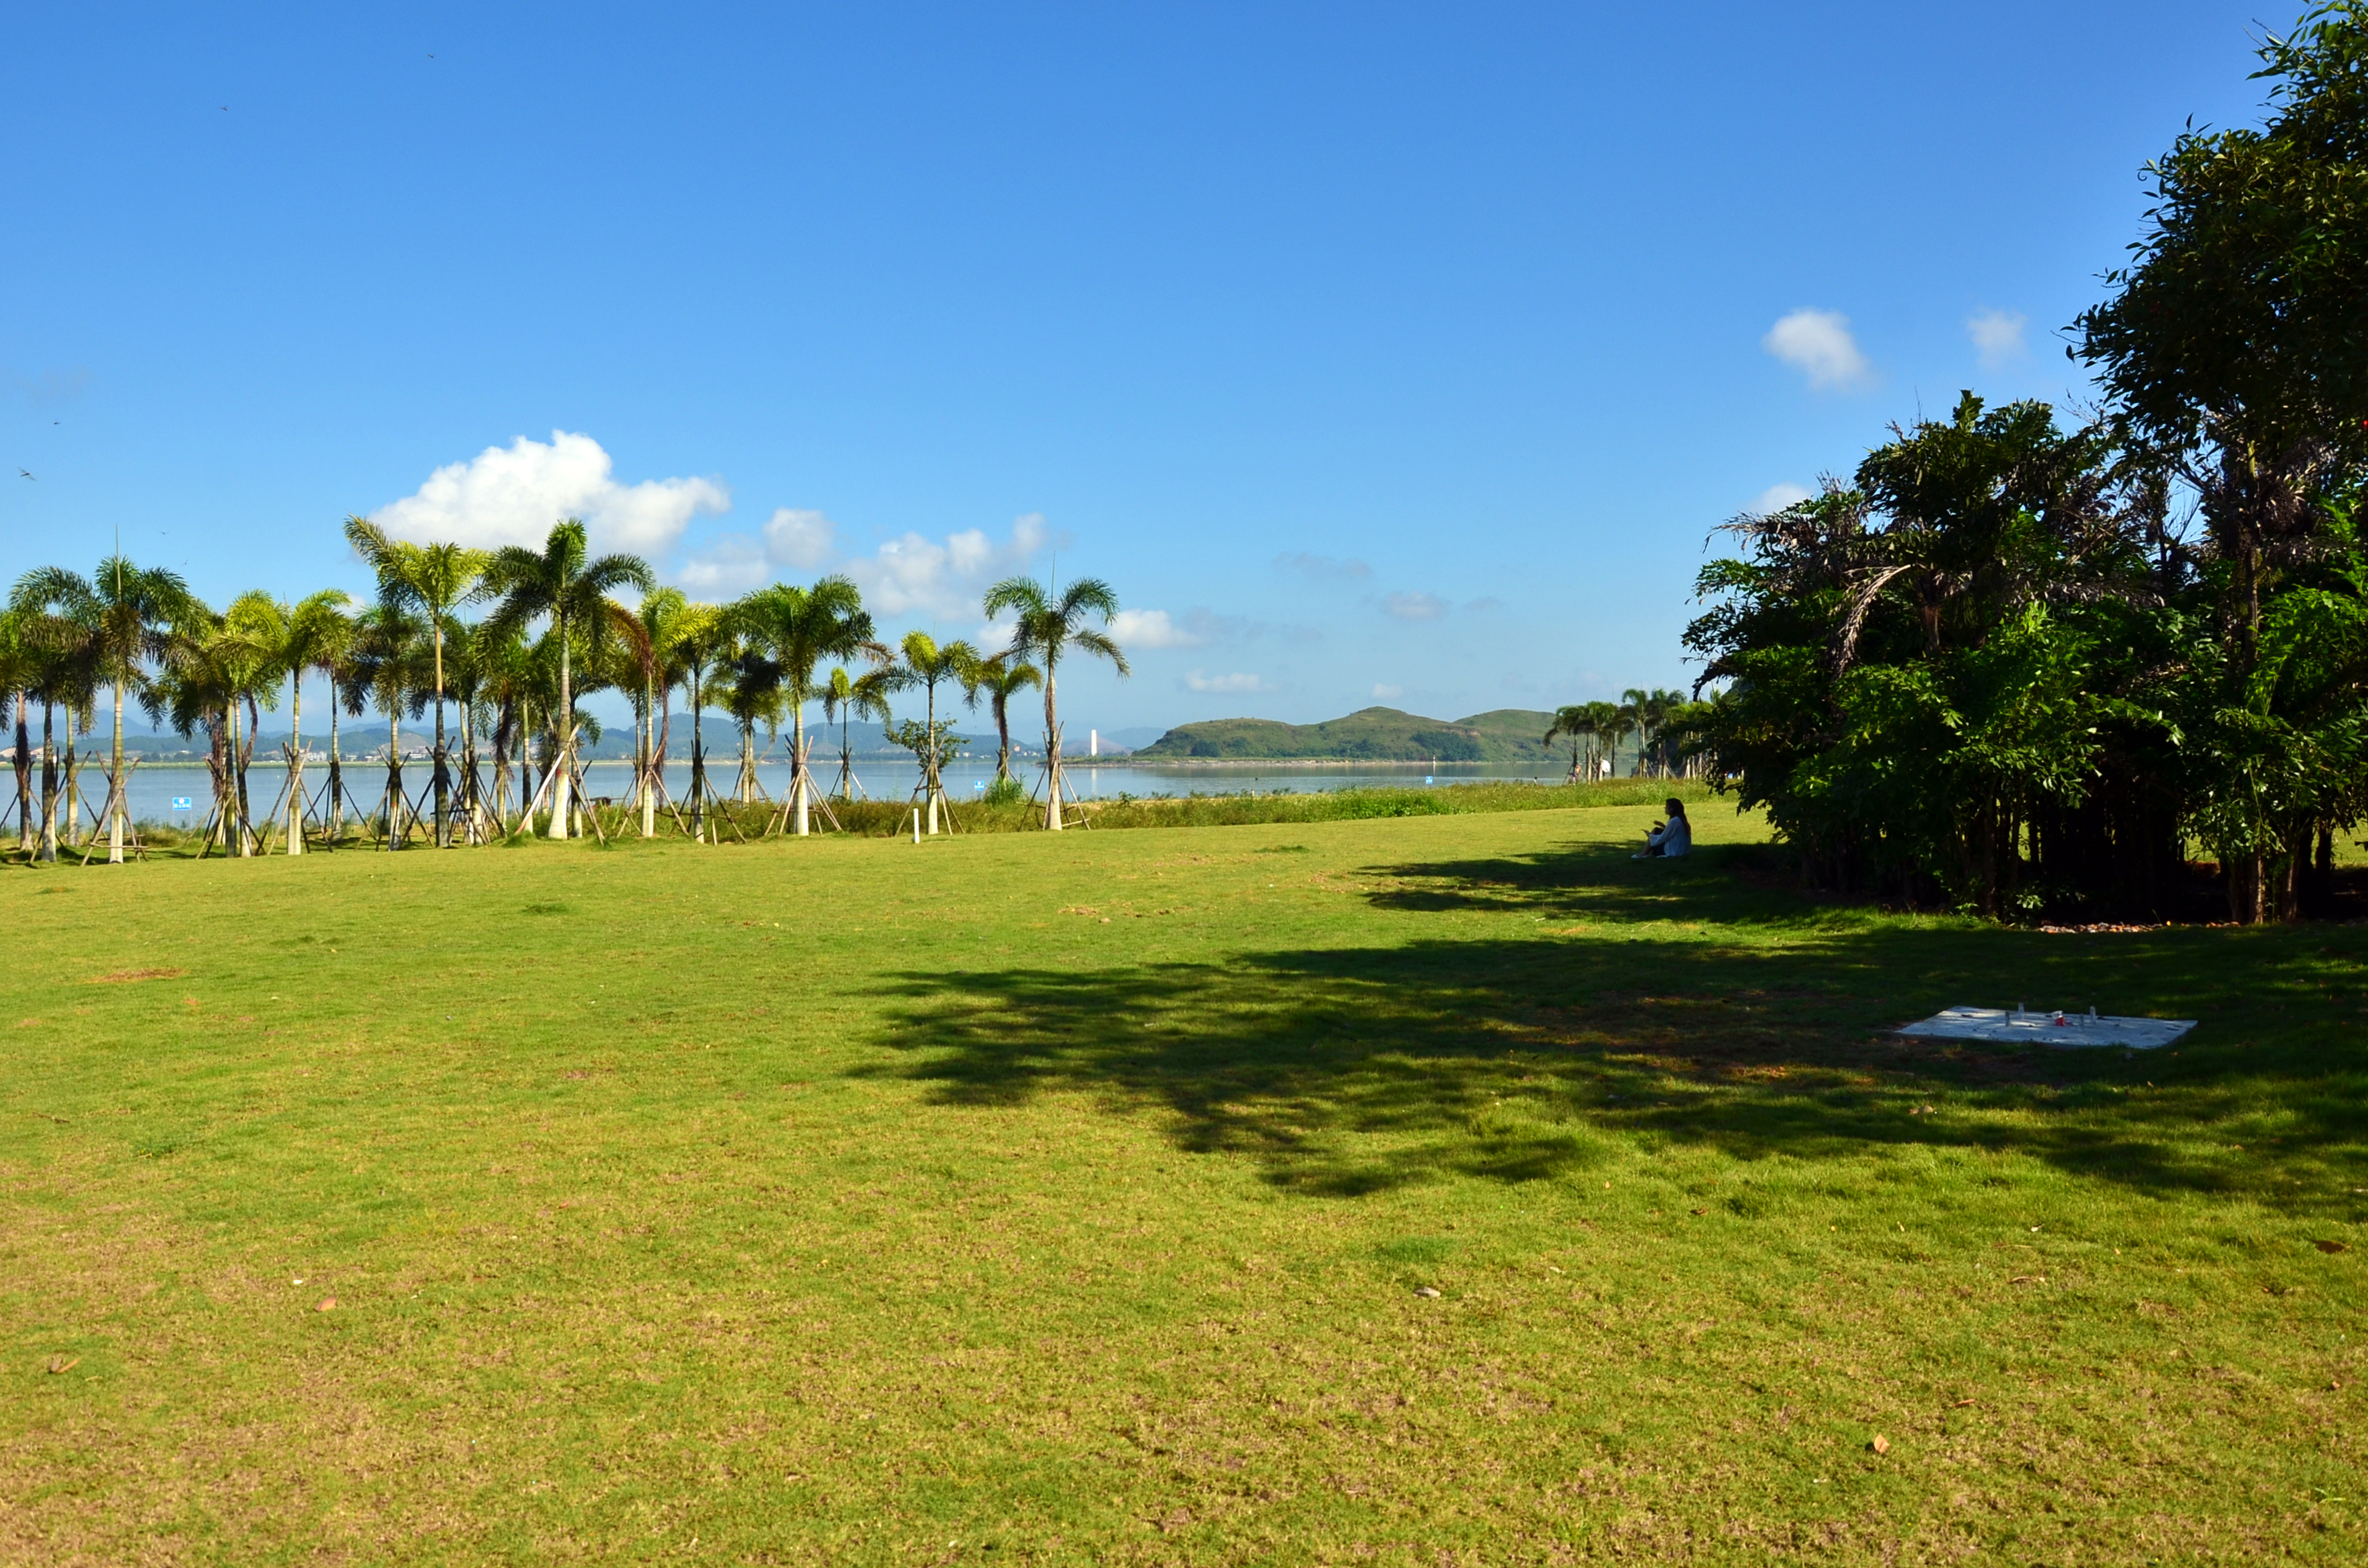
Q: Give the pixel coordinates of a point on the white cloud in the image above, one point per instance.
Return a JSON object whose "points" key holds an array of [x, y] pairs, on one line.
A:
{"points": [[1776, 498], [1998, 337], [1483, 605], [513, 495], [1386, 692], [1325, 567], [1197, 681], [1414, 606], [1818, 343], [916, 575], [802, 541], [1153, 628], [727, 567]]}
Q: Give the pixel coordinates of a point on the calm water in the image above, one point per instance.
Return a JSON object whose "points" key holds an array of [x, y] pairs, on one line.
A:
{"points": [[157, 792]]}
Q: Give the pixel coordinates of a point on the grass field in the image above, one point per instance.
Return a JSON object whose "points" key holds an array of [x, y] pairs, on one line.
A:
{"points": [[1022, 1198]]}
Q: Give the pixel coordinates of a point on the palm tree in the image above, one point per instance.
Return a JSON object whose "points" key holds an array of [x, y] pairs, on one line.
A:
{"points": [[927, 664], [390, 667], [132, 612], [801, 627], [1575, 721], [704, 639], [647, 632], [843, 699], [20, 668], [562, 584], [471, 678], [435, 580], [750, 691], [1048, 628], [1003, 677], [295, 639], [65, 639]]}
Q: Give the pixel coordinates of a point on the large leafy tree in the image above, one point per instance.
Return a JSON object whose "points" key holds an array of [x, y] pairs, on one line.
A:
{"points": [[1048, 626], [563, 583], [2235, 349], [126, 614], [1943, 678]]}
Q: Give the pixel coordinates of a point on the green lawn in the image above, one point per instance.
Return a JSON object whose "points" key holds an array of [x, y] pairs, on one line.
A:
{"points": [[1043, 1199]]}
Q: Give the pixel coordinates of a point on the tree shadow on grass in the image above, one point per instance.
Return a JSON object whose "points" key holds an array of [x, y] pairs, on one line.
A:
{"points": [[1525, 1054]]}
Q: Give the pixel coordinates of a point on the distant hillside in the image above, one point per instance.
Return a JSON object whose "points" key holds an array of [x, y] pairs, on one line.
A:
{"points": [[1372, 734]]}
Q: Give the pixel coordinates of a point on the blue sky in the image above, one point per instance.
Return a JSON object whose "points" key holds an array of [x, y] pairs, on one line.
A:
{"points": [[1373, 353]]}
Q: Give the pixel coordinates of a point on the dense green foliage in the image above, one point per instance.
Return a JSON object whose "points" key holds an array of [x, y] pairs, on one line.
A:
{"points": [[2012, 666]]}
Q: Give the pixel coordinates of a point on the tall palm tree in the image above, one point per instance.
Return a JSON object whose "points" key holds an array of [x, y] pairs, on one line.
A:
{"points": [[928, 664], [704, 638], [750, 691], [63, 636], [800, 628], [1003, 677], [294, 638], [843, 698], [132, 611], [562, 583], [1049, 625], [20, 670], [390, 666], [1575, 721], [435, 580], [469, 675]]}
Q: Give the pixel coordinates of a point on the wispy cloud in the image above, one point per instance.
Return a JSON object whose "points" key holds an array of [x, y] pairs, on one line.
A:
{"points": [[1818, 343], [1151, 629], [1387, 692], [1199, 681], [1776, 498], [1998, 337], [1325, 568], [1484, 605], [513, 495], [1414, 606]]}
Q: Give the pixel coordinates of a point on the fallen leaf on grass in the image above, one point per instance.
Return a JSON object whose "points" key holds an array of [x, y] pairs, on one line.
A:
{"points": [[2331, 1246], [327, 1303], [1428, 1292], [2028, 1279], [1961, 1405], [1701, 1210], [63, 1364], [1881, 1445]]}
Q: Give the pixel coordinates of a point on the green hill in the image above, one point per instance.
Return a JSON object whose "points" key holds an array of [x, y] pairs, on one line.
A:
{"points": [[1372, 734]]}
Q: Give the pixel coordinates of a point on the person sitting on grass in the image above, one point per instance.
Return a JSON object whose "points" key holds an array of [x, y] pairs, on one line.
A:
{"points": [[1671, 838]]}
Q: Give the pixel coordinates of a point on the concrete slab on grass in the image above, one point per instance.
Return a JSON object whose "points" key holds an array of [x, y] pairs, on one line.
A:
{"points": [[2059, 1029]]}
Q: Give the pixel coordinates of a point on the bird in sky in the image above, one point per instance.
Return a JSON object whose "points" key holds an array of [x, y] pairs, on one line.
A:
{"points": [[23, 474]]}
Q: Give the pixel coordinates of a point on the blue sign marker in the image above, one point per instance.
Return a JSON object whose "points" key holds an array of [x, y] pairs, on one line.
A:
{"points": [[180, 802]]}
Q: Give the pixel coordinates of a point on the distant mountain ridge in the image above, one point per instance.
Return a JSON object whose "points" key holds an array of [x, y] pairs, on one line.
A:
{"points": [[1369, 734]]}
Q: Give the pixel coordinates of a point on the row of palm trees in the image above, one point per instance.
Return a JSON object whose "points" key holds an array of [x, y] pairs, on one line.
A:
{"points": [[555, 630], [1664, 725]]}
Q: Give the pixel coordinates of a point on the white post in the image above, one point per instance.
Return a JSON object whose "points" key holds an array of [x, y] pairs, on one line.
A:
{"points": [[917, 824], [1093, 743]]}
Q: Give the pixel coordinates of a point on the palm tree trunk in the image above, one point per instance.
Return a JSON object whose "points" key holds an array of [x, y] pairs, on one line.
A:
{"points": [[49, 851], [24, 775], [395, 834], [336, 774], [798, 773], [443, 779], [649, 736], [115, 787], [1051, 752], [697, 765], [566, 734], [929, 761], [295, 765], [1002, 739]]}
